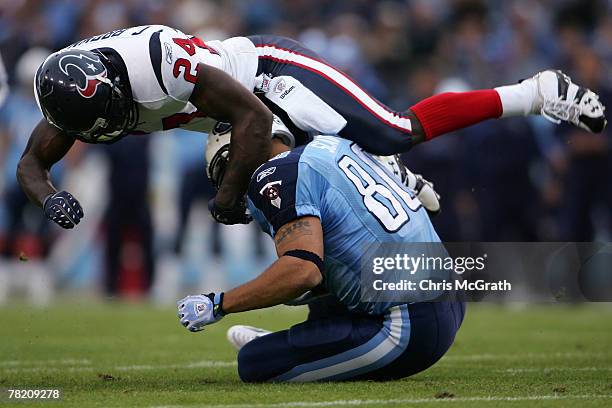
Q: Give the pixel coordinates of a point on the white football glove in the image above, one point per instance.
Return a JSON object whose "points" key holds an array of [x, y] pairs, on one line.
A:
{"points": [[197, 311], [425, 192], [423, 189]]}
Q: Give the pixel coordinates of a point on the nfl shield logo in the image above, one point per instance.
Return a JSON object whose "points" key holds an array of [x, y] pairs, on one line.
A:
{"points": [[200, 308]]}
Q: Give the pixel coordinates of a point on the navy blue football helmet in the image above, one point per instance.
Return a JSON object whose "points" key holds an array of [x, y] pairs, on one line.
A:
{"points": [[86, 96]]}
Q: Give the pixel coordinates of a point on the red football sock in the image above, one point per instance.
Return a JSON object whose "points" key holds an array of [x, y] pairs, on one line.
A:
{"points": [[443, 113]]}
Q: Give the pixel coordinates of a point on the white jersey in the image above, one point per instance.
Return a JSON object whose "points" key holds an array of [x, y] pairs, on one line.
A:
{"points": [[161, 64]]}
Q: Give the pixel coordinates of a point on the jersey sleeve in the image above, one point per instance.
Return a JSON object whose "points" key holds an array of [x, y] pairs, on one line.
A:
{"points": [[181, 54], [283, 191], [241, 59]]}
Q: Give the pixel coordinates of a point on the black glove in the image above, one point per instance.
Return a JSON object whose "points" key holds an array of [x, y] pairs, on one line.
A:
{"points": [[229, 216], [63, 209]]}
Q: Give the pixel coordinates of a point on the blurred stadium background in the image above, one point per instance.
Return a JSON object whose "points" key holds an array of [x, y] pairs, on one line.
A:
{"points": [[147, 231]]}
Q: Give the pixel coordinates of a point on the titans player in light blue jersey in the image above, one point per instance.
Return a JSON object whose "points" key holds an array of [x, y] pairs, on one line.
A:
{"points": [[322, 203]]}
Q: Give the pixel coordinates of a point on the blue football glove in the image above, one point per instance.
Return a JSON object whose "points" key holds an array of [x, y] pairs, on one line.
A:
{"points": [[63, 209], [197, 311]]}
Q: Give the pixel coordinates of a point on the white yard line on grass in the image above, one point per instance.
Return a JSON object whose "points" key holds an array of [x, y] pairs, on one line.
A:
{"points": [[78, 365], [548, 369], [74, 363], [359, 402], [60, 362], [47, 369], [490, 356], [199, 364]]}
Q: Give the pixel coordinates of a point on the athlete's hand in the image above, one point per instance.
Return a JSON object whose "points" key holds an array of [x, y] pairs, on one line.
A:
{"points": [[424, 191], [229, 216], [63, 209], [197, 311]]}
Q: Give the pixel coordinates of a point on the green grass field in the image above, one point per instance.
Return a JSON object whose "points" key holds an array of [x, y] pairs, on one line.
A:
{"points": [[138, 355]]}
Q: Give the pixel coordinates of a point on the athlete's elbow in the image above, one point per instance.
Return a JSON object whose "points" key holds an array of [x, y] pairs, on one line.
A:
{"points": [[21, 171], [258, 127], [308, 275], [260, 122]]}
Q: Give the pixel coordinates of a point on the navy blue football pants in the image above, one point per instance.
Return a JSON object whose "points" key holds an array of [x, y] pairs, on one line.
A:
{"points": [[350, 346], [374, 126]]}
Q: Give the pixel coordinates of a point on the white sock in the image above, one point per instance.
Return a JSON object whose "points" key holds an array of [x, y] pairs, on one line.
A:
{"points": [[519, 99]]}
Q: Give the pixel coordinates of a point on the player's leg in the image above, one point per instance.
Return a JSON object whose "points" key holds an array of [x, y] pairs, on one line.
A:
{"points": [[407, 341], [381, 130], [333, 348], [371, 124], [432, 331]]}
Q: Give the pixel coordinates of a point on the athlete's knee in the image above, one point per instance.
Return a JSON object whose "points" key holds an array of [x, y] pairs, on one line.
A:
{"points": [[250, 364], [266, 357], [401, 143]]}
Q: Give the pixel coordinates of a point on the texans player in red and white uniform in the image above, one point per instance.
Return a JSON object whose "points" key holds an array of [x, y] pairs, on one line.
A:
{"points": [[152, 78]]}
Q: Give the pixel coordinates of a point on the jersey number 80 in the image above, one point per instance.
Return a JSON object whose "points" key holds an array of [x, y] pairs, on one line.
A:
{"points": [[378, 197]]}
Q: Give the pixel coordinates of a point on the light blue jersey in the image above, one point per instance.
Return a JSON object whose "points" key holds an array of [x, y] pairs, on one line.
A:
{"points": [[360, 205]]}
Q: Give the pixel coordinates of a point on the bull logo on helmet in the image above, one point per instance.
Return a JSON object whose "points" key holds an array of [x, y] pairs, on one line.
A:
{"points": [[86, 72]]}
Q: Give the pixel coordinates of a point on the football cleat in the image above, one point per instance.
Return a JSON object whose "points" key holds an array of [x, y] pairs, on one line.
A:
{"points": [[240, 335], [423, 189], [561, 100]]}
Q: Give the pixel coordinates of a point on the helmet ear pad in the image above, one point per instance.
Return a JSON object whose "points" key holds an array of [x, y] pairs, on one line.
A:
{"points": [[217, 152]]}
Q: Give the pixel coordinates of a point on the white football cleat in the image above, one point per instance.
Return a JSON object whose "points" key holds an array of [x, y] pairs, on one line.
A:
{"points": [[240, 335], [559, 99]]}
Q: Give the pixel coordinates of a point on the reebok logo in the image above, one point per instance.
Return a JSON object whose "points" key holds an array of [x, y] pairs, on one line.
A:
{"points": [[265, 173]]}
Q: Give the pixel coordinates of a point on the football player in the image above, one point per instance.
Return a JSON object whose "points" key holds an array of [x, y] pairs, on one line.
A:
{"points": [[152, 78], [323, 203]]}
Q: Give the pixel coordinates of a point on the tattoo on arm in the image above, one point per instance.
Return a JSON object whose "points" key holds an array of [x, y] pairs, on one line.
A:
{"points": [[291, 232]]}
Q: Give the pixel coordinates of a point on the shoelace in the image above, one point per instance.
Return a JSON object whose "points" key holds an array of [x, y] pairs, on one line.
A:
{"points": [[559, 110], [562, 110]]}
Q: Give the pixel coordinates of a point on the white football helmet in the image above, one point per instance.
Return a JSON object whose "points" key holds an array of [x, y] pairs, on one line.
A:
{"points": [[218, 146], [217, 152]]}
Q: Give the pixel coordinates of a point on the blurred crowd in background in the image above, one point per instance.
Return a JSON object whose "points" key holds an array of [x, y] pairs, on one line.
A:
{"points": [[146, 227]]}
